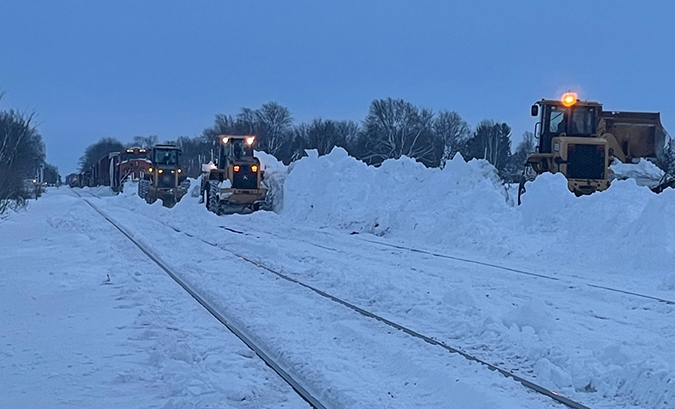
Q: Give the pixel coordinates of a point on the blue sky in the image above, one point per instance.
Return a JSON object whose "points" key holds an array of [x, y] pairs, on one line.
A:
{"points": [[124, 68]]}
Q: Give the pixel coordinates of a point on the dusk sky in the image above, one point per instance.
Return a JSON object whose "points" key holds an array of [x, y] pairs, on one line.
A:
{"points": [[124, 68]]}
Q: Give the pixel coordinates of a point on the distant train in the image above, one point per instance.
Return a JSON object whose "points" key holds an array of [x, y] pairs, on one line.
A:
{"points": [[114, 169]]}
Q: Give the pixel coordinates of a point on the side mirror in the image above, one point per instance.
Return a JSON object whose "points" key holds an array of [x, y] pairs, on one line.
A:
{"points": [[535, 110]]}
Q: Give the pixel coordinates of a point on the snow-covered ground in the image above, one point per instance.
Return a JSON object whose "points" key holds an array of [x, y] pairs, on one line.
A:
{"points": [[605, 349], [88, 321]]}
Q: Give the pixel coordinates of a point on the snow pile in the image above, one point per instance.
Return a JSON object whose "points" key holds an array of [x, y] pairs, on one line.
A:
{"points": [[274, 176], [464, 206], [644, 172], [461, 203], [99, 190], [624, 229]]}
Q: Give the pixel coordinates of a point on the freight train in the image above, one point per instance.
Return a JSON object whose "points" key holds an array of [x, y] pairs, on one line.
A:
{"points": [[114, 169]]}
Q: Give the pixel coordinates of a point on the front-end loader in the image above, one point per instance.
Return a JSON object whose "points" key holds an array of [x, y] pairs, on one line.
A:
{"points": [[233, 183], [580, 140], [163, 179]]}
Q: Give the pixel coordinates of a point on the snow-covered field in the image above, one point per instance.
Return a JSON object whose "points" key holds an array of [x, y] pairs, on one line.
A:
{"points": [[72, 337]]}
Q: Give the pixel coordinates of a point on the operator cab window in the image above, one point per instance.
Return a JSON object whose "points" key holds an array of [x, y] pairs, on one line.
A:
{"points": [[557, 121], [582, 122], [166, 157], [240, 149], [574, 121]]}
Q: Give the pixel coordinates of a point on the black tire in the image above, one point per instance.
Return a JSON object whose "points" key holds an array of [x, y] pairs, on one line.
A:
{"points": [[143, 187], [212, 203], [151, 198], [169, 202]]}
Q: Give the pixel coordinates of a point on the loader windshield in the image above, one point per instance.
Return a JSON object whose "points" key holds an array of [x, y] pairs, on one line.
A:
{"points": [[241, 149], [573, 121], [166, 157], [582, 121]]}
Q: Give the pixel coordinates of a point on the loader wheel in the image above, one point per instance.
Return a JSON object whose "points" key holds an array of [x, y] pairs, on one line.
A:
{"points": [[212, 203], [143, 186]]}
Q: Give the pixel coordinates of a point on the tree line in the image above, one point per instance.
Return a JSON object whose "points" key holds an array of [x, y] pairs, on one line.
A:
{"points": [[22, 159], [392, 128]]}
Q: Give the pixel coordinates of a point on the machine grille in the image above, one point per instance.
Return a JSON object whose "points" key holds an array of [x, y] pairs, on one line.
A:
{"points": [[585, 161], [166, 180], [245, 179]]}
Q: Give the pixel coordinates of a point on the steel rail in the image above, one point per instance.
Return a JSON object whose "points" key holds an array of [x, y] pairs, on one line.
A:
{"points": [[482, 263], [465, 260], [528, 384], [302, 391]]}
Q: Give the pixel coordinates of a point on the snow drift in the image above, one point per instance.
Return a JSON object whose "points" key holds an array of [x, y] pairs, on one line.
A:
{"points": [[625, 230]]}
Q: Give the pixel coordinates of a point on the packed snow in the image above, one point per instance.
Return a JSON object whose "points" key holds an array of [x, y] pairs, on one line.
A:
{"points": [[516, 286]]}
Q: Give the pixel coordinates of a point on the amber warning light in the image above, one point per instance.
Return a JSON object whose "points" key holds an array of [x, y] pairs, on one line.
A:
{"points": [[569, 99]]}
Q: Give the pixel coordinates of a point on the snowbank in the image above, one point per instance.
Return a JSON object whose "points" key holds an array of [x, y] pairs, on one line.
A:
{"points": [[644, 172], [465, 207], [464, 201]]}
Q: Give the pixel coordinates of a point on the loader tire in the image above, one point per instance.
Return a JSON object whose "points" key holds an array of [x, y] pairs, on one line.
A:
{"points": [[143, 187], [212, 203]]}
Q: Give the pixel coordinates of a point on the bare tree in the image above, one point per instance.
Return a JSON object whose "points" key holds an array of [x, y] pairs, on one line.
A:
{"points": [[273, 126], [51, 174], [299, 143], [247, 121], [349, 131], [453, 131], [22, 153], [145, 141], [516, 161], [394, 128]]}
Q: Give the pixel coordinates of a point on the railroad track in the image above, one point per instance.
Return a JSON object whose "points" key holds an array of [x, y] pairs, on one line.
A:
{"points": [[285, 375], [563, 281], [431, 340], [288, 377], [428, 339]]}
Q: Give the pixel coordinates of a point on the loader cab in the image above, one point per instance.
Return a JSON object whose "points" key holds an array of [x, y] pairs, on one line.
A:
{"points": [[164, 176], [165, 171], [567, 117], [167, 156], [234, 148]]}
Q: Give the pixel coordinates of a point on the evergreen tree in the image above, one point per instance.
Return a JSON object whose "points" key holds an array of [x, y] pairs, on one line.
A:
{"points": [[96, 151], [490, 141]]}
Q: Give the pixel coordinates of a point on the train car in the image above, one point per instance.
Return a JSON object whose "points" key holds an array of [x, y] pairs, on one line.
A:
{"points": [[104, 170], [73, 180], [115, 168], [132, 164], [87, 178]]}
